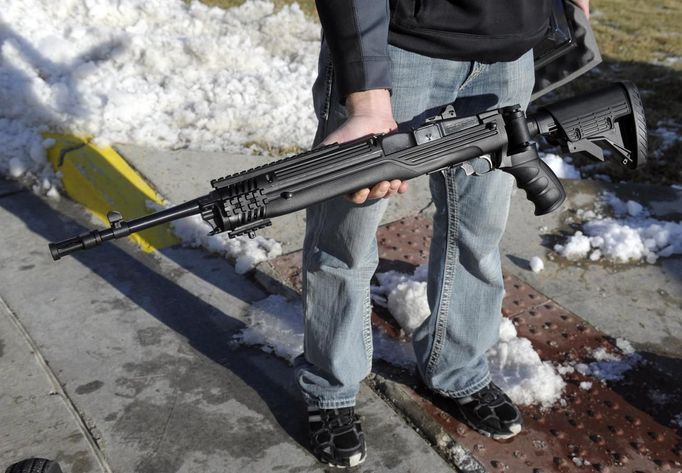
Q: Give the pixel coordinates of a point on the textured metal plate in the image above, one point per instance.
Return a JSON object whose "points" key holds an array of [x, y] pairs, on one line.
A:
{"points": [[607, 428]]}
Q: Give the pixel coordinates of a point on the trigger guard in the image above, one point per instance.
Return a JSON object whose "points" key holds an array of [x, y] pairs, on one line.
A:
{"points": [[481, 165]]}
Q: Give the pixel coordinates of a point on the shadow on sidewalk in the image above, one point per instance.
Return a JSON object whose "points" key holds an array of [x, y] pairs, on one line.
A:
{"points": [[207, 330]]}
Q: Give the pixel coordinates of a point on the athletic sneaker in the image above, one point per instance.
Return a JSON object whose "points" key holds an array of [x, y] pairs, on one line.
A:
{"points": [[491, 413], [336, 436]]}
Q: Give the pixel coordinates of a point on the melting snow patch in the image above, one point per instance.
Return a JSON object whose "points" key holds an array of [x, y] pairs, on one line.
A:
{"points": [[514, 365], [246, 252], [609, 366], [276, 325], [630, 236]]}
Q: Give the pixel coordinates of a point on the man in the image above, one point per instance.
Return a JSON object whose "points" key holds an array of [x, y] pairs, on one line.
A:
{"points": [[379, 66]]}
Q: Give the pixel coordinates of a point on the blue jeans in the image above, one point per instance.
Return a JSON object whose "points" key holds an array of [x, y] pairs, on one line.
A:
{"points": [[464, 286]]}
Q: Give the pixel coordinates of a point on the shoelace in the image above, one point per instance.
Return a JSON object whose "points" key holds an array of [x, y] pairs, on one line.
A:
{"points": [[338, 420]]}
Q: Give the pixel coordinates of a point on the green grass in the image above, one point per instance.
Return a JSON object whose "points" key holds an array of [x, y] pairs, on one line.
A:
{"points": [[640, 41]]}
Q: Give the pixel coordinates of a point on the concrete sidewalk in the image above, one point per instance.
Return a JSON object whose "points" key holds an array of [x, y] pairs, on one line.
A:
{"points": [[137, 349]]}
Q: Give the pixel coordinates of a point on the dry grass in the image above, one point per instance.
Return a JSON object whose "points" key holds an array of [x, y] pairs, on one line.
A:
{"points": [[308, 6], [642, 42]]}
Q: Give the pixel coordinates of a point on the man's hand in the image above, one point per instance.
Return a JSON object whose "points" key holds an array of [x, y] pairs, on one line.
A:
{"points": [[369, 112], [584, 6]]}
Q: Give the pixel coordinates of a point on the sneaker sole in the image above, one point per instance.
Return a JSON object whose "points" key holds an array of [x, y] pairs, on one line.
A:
{"points": [[353, 461], [514, 431]]}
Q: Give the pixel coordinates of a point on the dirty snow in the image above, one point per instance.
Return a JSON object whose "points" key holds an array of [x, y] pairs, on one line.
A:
{"points": [[610, 366], [160, 73], [277, 326], [244, 251], [630, 235]]}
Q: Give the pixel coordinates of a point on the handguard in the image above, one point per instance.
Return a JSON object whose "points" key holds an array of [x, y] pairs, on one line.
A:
{"points": [[239, 204]]}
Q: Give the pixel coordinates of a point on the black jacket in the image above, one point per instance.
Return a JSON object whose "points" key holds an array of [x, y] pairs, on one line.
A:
{"points": [[358, 33]]}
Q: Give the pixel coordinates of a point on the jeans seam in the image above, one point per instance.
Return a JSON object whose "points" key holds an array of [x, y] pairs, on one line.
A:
{"points": [[474, 388], [328, 404], [322, 210], [442, 313], [367, 331]]}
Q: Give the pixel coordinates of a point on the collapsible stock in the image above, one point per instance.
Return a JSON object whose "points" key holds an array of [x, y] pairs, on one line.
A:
{"points": [[611, 118]]}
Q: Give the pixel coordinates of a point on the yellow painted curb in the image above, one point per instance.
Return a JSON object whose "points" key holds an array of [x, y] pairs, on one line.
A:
{"points": [[101, 180]]}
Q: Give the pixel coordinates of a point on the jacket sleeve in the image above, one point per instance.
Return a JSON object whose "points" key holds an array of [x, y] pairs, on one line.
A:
{"points": [[357, 34]]}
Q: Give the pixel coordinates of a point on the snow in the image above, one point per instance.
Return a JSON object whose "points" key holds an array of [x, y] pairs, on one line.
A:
{"points": [[159, 73], [246, 252], [536, 264], [276, 325], [206, 78], [515, 366], [404, 296], [631, 235], [561, 166], [609, 366]]}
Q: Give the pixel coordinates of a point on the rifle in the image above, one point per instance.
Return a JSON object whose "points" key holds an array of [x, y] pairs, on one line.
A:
{"points": [[611, 118]]}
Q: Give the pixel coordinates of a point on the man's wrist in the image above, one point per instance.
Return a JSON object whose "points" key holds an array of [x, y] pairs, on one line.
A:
{"points": [[375, 103]]}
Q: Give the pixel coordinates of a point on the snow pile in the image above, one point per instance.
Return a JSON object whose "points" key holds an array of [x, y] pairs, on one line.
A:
{"points": [[631, 235], [610, 366], [161, 73], [404, 296], [517, 368], [276, 325], [562, 167], [246, 252]]}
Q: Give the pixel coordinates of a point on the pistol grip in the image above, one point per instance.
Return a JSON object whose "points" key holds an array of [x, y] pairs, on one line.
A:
{"points": [[532, 175]]}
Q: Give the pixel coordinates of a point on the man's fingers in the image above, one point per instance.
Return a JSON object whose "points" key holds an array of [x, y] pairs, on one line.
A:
{"points": [[360, 196], [381, 190], [394, 187]]}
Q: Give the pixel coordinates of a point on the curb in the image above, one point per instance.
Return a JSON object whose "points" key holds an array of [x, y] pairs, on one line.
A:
{"points": [[101, 180], [395, 395]]}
